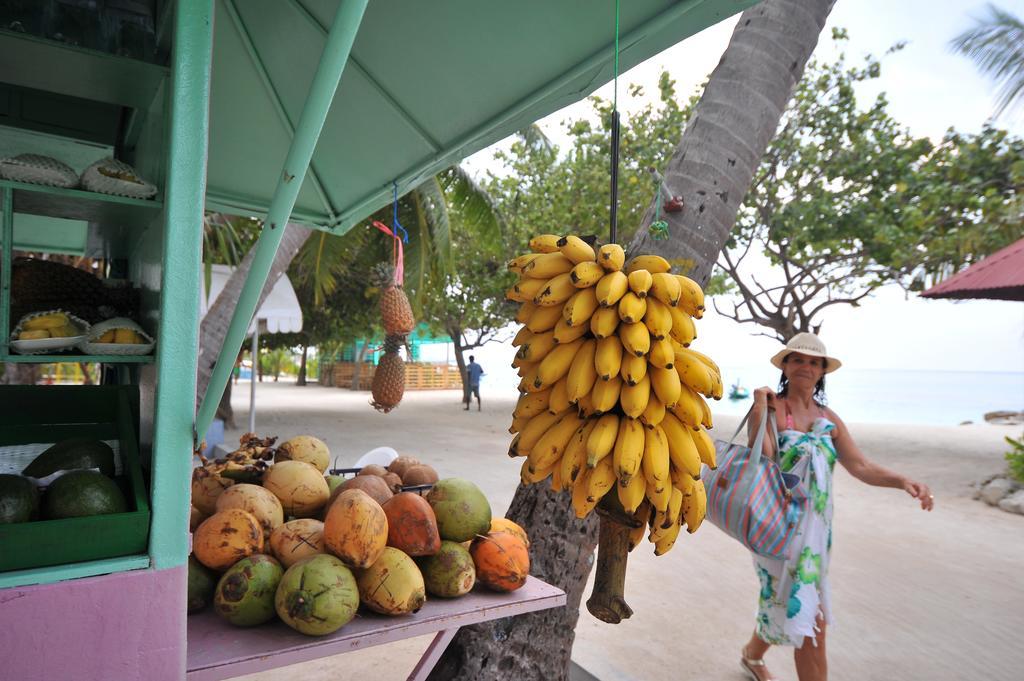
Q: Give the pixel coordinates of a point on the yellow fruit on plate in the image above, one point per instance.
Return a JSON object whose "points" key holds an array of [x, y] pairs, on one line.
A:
{"points": [[107, 337], [34, 334], [126, 336], [54, 320]]}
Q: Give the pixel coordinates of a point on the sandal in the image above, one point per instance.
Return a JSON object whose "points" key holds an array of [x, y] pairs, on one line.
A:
{"points": [[749, 665]]}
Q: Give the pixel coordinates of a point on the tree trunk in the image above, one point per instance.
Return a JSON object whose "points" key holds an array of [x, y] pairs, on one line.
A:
{"points": [[257, 361], [302, 367], [357, 370], [456, 335], [712, 167], [224, 410], [730, 128], [214, 327]]}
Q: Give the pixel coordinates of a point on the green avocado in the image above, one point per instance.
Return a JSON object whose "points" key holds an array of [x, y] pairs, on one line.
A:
{"points": [[82, 493], [19, 499], [77, 452]]}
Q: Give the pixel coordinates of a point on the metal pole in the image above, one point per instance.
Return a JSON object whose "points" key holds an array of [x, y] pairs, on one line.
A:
{"points": [[307, 132], [252, 383]]}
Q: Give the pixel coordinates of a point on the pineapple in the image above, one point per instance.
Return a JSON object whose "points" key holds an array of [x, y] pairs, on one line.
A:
{"points": [[389, 379], [394, 304]]}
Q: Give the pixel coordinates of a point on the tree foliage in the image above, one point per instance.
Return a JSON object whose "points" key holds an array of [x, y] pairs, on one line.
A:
{"points": [[996, 44]]}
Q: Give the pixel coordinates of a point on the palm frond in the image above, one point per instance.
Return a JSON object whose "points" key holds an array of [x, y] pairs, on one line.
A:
{"points": [[996, 45], [477, 211], [535, 137], [433, 207]]}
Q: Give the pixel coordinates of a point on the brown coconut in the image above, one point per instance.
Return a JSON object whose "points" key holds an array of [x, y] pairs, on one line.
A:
{"points": [[412, 527], [355, 529], [394, 482], [419, 474], [297, 539], [399, 465], [373, 485], [227, 537], [373, 469]]}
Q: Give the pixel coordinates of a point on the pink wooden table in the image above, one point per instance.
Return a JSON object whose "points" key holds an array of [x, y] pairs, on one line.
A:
{"points": [[217, 650]]}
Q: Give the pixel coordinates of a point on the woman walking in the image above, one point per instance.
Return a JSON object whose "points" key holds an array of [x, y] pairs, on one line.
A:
{"points": [[794, 607]]}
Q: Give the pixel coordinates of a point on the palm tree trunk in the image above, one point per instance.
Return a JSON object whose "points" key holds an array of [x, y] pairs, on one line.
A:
{"points": [[712, 168], [456, 335], [301, 380], [730, 128], [214, 327]]}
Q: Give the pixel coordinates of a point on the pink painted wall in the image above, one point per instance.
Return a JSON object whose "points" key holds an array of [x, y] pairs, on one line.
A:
{"points": [[120, 627]]}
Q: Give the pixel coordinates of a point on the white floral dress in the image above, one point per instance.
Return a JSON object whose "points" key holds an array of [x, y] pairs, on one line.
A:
{"points": [[795, 591]]}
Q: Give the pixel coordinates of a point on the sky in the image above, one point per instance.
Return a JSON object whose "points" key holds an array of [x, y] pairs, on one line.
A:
{"points": [[929, 89]]}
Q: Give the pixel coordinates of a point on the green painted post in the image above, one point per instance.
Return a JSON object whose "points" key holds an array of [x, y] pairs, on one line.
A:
{"points": [[318, 102], [178, 338], [7, 246]]}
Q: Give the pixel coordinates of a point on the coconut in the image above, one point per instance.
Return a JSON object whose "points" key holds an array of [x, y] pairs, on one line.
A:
{"points": [[195, 516], [419, 474], [304, 448], [399, 465], [506, 525], [207, 485], [412, 527], [371, 484], [257, 500], [226, 537], [394, 482], [449, 572], [462, 510], [201, 583], [373, 469], [355, 529], [297, 539], [393, 585], [245, 593], [502, 561], [317, 596], [300, 486]]}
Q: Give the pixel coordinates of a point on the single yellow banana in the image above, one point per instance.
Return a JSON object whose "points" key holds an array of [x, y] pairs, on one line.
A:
{"points": [[636, 339], [611, 257], [656, 457], [556, 363], [611, 287], [576, 249], [581, 505], [632, 494], [667, 540], [513, 294], [531, 404], [665, 287], [578, 309], [683, 331], [574, 458], [659, 496], [518, 263], [662, 354], [633, 368], [565, 334], [692, 298], [582, 372], [628, 453], [518, 423], [605, 394], [655, 264], [556, 477], [556, 291], [675, 508], [694, 374], [681, 449], [529, 288], [706, 419], [522, 337], [585, 406], [543, 319], [525, 311], [695, 505], [529, 476], [666, 385], [632, 308], [689, 409], [538, 347], [634, 398], [548, 449], [608, 357], [653, 413], [529, 383], [636, 534], [658, 319], [708, 362], [640, 282], [513, 448], [681, 480], [544, 243], [559, 400], [604, 322], [548, 265], [586, 274], [705, 447], [602, 438], [601, 479]]}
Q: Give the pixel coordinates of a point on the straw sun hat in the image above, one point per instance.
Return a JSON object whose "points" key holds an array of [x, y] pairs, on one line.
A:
{"points": [[807, 344]]}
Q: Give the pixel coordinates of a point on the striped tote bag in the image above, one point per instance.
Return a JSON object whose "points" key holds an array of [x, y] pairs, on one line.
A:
{"points": [[750, 498]]}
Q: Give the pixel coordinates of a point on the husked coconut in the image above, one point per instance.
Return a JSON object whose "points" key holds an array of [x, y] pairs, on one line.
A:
{"points": [[399, 465], [419, 474]]}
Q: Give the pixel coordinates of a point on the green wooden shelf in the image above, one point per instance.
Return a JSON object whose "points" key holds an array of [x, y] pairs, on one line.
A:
{"points": [[85, 359], [76, 204]]}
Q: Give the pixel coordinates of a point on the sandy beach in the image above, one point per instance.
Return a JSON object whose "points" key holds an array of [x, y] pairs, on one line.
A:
{"points": [[916, 595]]}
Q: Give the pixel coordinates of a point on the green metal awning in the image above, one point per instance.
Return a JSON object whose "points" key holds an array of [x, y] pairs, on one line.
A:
{"points": [[427, 84]]}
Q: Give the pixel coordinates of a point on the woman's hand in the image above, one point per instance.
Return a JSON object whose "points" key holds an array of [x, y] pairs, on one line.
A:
{"points": [[764, 397], [920, 491]]}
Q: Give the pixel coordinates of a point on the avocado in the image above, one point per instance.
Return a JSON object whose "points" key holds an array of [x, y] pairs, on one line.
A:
{"points": [[82, 493], [66, 455], [19, 499]]}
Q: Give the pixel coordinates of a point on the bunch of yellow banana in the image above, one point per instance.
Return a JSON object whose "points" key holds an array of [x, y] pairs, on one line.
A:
{"points": [[612, 395]]}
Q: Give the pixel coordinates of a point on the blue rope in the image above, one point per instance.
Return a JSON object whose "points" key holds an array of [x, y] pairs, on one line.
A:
{"points": [[394, 219]]}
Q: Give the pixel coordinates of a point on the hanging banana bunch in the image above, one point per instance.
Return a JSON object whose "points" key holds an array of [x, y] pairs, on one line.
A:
{"points": [[612, 394]]}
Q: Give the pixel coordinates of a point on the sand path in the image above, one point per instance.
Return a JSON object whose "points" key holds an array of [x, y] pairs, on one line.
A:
{"points": [[933, 597]]}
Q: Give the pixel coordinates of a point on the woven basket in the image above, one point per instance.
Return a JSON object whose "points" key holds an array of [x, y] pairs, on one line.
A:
{"points": [[111, 176], [37, 169]]}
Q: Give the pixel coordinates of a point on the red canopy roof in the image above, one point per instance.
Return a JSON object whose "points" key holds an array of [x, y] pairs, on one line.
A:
{"points": [[1000, 276]]}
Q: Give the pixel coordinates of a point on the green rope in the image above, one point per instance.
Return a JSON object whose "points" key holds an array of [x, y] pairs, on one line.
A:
{"points": [[658, 229]]}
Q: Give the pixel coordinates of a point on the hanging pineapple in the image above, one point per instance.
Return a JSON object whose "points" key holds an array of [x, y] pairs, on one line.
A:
{"points": [[389, 379], [395, 310]]}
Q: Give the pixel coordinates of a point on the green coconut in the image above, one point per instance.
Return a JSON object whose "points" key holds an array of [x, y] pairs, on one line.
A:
{"points": [[317, 596], [245, 593], [461, 508], [450, 572]]}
